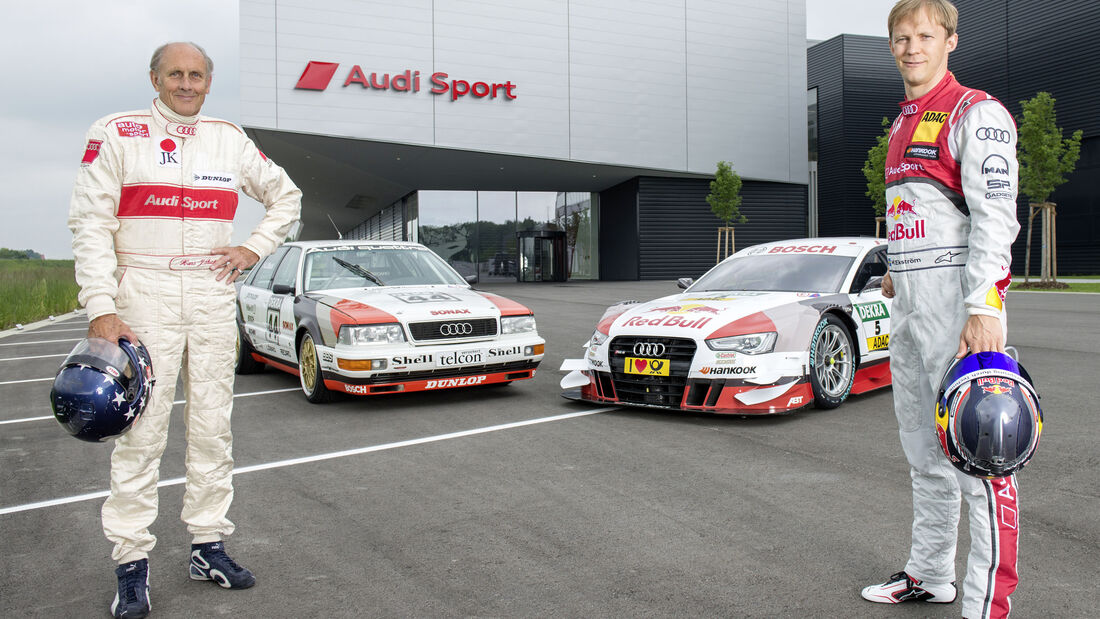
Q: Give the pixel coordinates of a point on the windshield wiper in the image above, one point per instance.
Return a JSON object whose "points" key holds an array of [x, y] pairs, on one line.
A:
{"points": [[358, 270]]}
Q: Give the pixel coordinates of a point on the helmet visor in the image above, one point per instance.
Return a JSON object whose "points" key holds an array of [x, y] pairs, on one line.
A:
{"points": [[101, 355]]}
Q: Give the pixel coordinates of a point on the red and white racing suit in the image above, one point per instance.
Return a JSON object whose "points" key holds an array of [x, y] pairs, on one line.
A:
{"points": [[951, 176], [154, 194]]}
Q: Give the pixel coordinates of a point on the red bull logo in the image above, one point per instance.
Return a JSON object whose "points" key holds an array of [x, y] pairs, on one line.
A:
{"points": [[994, 386], [901, 231], [693, 308], [898, 207]]}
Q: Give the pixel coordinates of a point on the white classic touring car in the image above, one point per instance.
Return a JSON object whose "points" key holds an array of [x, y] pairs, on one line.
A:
{"points": [[373, 317], [772, 328]]}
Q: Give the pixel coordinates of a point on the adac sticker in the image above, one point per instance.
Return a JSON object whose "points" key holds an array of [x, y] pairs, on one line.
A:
{"points": [[929, 128]]}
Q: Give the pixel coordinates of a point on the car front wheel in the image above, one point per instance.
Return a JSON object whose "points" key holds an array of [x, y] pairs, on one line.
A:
{"points": [[832, 363], [309, 371]]}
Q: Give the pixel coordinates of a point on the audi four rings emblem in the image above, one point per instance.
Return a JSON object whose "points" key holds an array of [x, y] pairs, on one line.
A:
{"points": [[994, 134], [649, 349], [456, 328]]}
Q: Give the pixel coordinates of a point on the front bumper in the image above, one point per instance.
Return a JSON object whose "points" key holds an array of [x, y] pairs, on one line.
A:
{"points": [[424, 368], [722, 396]]}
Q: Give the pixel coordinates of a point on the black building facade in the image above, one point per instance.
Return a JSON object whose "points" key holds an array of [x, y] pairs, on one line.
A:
{"points": [[1009, 48], [662, 228]]}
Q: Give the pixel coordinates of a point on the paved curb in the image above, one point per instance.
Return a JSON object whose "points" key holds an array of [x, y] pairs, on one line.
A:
{"points": [[52, 320]]}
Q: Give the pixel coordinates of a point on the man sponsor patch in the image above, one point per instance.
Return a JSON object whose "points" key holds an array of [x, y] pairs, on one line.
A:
{"points": [[130, 129], [91, 151], [929, 128], [922, 152], [995, 164]]}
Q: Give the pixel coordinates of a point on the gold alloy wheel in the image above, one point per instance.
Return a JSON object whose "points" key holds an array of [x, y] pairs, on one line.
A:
{"points": [[307, 364]]}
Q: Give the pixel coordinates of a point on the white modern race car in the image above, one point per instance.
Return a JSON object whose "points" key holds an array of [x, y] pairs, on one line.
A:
{"points": [[374, 317], [772, 328]]}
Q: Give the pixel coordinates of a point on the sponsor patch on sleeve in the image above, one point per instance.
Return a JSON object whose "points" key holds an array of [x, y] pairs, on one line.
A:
{"points": [[91, 151]]}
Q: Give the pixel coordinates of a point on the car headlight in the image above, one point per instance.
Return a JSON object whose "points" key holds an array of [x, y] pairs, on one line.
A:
{"points": [[354, 335], [516, 324], [749, 344], [597, 339]]}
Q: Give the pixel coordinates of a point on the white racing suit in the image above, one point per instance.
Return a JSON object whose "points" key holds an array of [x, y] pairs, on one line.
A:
{"points": [[154, 194], [951, 176]]}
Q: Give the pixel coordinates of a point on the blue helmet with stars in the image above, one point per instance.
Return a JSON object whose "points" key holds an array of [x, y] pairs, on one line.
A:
{"points": [[101, 388]]}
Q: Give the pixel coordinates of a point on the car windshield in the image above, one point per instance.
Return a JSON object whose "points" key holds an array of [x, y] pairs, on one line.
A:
{"points": [[777, 273], [376, 265]]}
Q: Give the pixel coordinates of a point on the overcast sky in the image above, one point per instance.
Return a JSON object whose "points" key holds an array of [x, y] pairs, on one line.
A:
{"points": [[70, 63]]}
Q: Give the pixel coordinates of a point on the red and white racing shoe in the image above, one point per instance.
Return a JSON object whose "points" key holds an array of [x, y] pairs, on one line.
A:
{"points": [[901, 588]]}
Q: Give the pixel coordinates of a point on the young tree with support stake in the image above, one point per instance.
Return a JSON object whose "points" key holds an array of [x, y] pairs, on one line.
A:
{"points": [[874, 170], [724, 200], [1045, 159]]}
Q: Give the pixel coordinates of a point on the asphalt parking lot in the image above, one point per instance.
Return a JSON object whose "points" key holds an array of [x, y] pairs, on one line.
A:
{"points": [[513, 502]]}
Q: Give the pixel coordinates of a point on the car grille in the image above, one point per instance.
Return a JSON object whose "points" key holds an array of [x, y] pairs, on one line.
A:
{"points": [[655, 390], [453, 329]]}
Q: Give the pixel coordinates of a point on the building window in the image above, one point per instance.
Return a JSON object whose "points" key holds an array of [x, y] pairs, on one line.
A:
{"points": [[448, 222]]}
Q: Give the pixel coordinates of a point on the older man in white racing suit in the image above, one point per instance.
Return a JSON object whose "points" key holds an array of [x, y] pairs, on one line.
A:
{"points": [[151, 216], [951, 175]]}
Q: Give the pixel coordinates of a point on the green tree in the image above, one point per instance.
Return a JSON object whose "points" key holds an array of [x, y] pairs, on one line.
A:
{"points": [[725, 195], [1045, 160], [874, 170]]}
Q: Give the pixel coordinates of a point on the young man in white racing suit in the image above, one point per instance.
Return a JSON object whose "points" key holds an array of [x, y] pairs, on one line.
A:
{"points": [[951, 175], [152, 215]]}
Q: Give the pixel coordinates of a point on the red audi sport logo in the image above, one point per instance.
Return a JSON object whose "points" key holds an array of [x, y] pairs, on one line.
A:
{"points": [[318, 75]]}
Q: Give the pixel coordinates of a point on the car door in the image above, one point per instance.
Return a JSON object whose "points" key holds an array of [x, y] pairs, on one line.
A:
{"points": [[870, 309], [281, 324], [254, 297]]}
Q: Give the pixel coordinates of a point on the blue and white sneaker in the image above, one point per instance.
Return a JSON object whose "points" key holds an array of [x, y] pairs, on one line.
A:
{"points": [[903, 588], [209, 562], [132, 598]]}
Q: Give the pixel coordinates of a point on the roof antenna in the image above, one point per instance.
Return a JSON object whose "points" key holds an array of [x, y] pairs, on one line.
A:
{"points": [[338, 235]]}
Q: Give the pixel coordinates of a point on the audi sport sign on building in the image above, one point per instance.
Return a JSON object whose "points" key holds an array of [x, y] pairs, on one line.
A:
{"points": [[367, 103]]}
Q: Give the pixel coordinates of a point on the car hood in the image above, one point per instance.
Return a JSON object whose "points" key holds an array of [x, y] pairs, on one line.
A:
{"points": [[709, 314], [416, 303]]}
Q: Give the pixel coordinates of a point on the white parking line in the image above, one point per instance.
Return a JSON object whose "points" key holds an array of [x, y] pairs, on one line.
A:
{"points": [[177, 402], [75, 339], [27, 380], [308, 459], [37, 357]]}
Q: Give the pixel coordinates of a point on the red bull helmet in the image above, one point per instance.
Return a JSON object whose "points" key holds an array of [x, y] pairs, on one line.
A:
{"points": [[988, 418]]}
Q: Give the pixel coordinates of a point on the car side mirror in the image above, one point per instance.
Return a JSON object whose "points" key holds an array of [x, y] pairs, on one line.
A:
{"points": [[874, 282], [684, 282], [470, 279], [282, 289]]}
